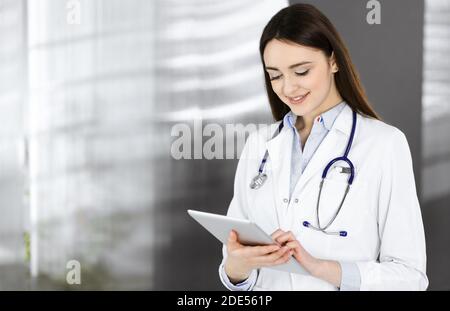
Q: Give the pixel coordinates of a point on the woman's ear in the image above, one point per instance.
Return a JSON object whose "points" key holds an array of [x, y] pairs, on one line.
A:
{"points": [[333, 65]]}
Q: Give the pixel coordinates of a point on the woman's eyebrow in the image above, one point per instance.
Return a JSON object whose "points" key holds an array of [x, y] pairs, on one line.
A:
{"points": [[291, 66]]}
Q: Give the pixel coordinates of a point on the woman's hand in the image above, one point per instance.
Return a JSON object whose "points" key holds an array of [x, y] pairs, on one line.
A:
{"points": [[300, 254], [327, 270], [241, 259]]}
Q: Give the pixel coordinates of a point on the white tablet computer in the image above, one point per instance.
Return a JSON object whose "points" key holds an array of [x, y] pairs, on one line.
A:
{"points": [[249, 233]]}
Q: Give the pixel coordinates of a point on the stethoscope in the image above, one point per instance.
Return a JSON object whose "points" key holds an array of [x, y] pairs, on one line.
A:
{"points": [[259, 180]]}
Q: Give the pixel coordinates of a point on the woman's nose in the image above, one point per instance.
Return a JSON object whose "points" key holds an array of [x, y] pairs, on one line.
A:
{"points": [[290, 87]]}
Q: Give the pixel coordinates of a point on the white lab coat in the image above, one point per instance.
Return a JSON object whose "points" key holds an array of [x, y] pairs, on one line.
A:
{"points": [[381, 212]]}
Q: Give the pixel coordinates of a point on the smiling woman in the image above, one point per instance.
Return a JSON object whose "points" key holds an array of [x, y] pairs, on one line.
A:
{"points": [[305, 87], [352, 223], [307, 56]]}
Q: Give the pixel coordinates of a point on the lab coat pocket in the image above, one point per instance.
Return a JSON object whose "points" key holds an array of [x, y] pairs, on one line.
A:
{"points": [[331, 196], [353, 215]]}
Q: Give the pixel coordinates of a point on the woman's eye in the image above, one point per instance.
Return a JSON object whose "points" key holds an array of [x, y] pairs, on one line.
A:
{"points": [[304, 73]]}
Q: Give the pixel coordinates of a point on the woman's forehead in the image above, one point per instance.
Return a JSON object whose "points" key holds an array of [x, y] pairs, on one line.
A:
{"points": [[280, 53]]}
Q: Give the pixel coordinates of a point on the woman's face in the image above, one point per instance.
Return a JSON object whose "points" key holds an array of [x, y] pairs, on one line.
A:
{"points": [[296, 71]]}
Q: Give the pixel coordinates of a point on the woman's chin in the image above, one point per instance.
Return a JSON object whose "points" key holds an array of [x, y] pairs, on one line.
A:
{"points": [[300, 111]]}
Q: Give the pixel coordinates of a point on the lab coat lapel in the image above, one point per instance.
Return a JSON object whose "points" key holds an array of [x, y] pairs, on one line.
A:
{"points": [[280, 149], [332, 146]]}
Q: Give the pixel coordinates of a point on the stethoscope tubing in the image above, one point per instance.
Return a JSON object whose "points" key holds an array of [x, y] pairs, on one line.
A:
{"points": [[259, 180]]}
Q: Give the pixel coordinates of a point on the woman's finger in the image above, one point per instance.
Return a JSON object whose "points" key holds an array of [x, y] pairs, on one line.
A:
{"points": [[297, 249], [287, 236], [279, 259], [233, 242], [283, 259], [255, 251], [277, 233], [270, 259], [294, 245]]}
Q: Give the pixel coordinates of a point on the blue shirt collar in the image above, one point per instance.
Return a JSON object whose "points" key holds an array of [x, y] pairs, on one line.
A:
{"points": [[326, 119]]}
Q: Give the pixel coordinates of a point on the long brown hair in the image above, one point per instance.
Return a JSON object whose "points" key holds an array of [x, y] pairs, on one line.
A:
{"points": [[304, 24]]}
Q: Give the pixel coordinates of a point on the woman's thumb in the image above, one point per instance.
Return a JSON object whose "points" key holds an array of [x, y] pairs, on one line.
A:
{"points": [[232, 237]]}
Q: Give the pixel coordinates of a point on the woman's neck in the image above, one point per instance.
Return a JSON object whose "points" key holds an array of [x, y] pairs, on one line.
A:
{"points": [[304, 123]]}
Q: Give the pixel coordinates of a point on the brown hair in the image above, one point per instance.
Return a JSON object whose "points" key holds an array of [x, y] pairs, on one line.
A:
{"points": [[304, 24]]}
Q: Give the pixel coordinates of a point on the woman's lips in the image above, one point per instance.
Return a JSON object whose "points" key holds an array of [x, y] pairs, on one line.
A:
{"points": [[298, 100]]}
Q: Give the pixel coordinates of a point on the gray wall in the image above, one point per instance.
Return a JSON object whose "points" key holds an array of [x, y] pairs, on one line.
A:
{"points": [[436, 141]]}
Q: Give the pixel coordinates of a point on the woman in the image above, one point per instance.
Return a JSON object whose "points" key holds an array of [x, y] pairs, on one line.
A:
{"points": [[359, 229]]}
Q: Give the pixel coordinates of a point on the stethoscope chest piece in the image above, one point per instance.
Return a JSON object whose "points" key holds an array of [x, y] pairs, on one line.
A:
{"points": [[258, 181]]}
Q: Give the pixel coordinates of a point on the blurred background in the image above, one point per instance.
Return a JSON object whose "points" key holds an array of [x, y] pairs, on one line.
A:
{"points": [[91, 90]]}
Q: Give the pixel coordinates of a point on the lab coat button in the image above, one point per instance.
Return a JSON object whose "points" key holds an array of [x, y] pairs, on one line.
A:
{"points": [[285, 200], [296, 201]]}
